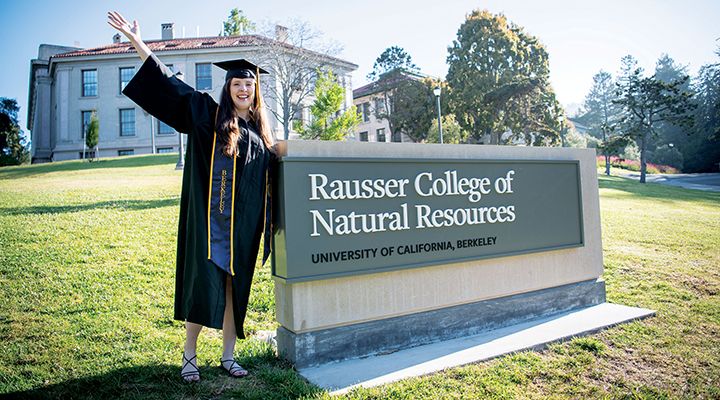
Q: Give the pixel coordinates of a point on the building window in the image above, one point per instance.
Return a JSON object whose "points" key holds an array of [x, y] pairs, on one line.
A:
{"points": [[163, 150], [396, 137], [380, 106], [127, 122], [86, 116], [366, 111], [89, 82], [381, 135], [86, 154], [203, 76], [125, 75], [363, 136], [298, 114], [126, 152], [164, 129]]}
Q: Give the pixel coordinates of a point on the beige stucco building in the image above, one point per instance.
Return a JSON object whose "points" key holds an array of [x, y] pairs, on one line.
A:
{"points": [[376, 96], [68, 85]]}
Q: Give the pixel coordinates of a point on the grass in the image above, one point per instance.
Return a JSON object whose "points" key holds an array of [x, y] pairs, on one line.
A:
{"points": [[87, 279]]}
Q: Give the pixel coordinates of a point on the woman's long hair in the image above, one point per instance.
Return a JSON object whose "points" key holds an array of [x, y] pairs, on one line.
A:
{"points": [[226, 124]]}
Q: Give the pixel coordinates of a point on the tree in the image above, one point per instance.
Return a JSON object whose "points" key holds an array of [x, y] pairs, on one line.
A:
{"points": [[671, 140], [406, 102], [452, 131], [13, 147], [392, 58], [648, 102], [702, 151], [293, 61], [237, 24], [91, 136], [327, 122], [600, 113], [498, 77]]}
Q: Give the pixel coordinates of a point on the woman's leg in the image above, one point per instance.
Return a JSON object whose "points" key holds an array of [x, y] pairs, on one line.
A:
{"points": [[228, 331], [230, 334], [189, 370]]}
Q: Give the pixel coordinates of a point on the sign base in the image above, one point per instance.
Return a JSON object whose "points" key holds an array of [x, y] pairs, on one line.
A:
{"points": [[396, 333], [342, 376]]}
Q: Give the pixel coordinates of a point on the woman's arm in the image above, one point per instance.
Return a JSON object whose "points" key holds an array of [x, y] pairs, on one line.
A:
{"points": [[159, 92], [132, 32]]}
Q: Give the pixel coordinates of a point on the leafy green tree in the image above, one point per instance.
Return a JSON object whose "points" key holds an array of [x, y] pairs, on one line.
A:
{"points": [[91, 136], [600, 114], [13, 147], [498, 77], [647, 103], [237, 24], [407, 103], [452, 131], [392, 58], [327, 122]]}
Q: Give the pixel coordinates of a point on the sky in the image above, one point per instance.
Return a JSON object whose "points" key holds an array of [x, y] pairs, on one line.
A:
{"points": [[581, 37]]}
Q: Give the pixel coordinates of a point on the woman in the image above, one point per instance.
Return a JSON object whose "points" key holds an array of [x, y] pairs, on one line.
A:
{"points": [[224, 205]]}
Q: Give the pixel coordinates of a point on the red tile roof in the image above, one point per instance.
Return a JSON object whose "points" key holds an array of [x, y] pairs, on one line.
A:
{"points": [[174, 44], [209, 42]]}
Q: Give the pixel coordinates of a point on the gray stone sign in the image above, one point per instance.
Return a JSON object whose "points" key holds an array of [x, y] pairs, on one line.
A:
{"points": [[354, 216], [385, 246]]}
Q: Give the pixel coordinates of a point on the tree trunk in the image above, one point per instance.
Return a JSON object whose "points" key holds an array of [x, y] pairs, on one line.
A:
{"points": [[286, 129], [643, 141], [607, 165], [493, 139]]}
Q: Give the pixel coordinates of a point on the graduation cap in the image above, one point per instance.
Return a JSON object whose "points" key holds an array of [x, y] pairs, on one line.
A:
{"points": [[240, 68]]}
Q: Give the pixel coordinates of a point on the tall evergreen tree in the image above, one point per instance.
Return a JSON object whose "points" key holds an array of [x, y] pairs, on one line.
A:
{"points": [[702, 152], [498, 76], [392, 58], [600, 113]]}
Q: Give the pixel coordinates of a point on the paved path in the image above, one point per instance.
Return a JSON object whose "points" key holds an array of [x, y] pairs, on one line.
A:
{"points": [[708, 182]]}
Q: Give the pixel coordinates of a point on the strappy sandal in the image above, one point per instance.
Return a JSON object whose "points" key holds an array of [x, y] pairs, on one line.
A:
{"points": [[189, 375], [235, 370]]}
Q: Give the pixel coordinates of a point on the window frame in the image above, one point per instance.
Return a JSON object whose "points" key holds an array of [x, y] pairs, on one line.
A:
{"points": [[85, 86], [120, 77], [123, 123], [198, 66], [160, 132], [378, 132]]}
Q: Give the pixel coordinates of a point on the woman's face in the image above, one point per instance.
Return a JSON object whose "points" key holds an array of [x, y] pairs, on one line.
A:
{"points": [[242, 92]]}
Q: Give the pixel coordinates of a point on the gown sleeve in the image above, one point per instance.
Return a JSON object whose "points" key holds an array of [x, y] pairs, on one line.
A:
{"points": [[159, 92]]}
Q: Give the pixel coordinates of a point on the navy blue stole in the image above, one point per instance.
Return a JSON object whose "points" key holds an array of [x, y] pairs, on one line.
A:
{"points": [[221, 208]]}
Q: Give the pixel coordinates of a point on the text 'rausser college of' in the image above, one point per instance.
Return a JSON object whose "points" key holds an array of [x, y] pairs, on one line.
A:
{"points": [[424, 184]]}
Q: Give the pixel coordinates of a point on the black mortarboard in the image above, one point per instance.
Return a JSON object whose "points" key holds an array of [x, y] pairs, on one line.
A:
{"points": [[240, 69]]}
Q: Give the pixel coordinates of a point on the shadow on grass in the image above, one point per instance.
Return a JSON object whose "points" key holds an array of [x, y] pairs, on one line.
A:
{"points": [[268, 379], [115, 204], [24, 171], [655, 191]]}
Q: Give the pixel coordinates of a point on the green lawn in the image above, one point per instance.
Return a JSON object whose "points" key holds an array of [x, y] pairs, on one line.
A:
{"points": [[87, 279]]}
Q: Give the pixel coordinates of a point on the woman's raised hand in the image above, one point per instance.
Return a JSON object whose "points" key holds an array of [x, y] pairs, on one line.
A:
{"points": [[132, 32], [117, 21]]}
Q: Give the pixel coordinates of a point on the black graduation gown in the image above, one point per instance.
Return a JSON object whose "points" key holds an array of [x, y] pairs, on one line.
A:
{"points": [[199, 283]]}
